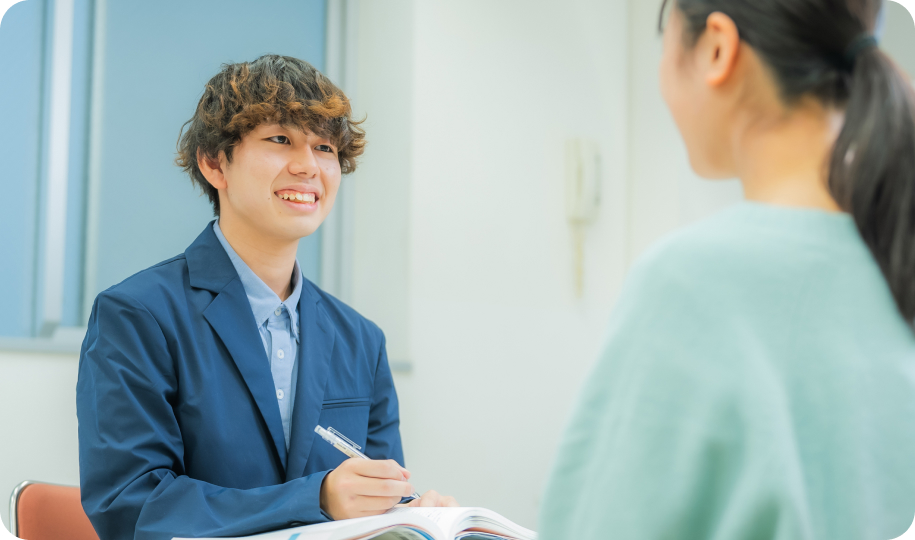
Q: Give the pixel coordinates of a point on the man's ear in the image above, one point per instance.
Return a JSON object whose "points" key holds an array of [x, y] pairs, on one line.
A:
{"points": [[211, 170], [721, 47]]}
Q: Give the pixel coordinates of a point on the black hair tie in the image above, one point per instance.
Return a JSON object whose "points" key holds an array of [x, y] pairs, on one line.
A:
{"points": [[858, 46]]}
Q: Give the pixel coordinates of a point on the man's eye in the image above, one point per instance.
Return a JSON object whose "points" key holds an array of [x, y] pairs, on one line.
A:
{"points": [[281, 139], [325, 148]]}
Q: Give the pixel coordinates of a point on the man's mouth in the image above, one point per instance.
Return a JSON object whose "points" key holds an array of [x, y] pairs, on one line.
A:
{"points": [[298, 197]]}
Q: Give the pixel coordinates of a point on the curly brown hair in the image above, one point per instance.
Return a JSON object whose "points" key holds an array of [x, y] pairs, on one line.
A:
{"points": [[275, 89]]}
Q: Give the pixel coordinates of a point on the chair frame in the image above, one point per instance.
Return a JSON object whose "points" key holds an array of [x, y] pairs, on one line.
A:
{"points": [[14, 506]]}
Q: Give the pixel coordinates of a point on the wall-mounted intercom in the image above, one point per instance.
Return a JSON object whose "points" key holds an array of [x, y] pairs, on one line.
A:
{"points": [[583, 182]]}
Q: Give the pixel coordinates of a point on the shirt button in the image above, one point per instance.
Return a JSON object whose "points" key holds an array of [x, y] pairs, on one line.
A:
{"points": [[280, 394], [278, 311], [280, 353]]}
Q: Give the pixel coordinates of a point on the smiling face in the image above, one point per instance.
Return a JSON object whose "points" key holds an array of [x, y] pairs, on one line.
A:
{"points": [[280, 185]]}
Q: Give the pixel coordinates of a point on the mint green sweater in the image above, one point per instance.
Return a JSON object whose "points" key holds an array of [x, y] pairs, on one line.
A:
{"points": [[757, 382]]}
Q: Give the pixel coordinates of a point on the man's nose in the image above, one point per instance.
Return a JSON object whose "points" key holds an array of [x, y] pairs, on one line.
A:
{"points": [[304, 162]]}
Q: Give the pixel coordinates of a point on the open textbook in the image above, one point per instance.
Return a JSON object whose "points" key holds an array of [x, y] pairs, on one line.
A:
{"points": [[409, 524]]}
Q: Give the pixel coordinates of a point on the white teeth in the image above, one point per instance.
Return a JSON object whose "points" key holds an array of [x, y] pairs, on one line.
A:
{"points": [[303, 197]]}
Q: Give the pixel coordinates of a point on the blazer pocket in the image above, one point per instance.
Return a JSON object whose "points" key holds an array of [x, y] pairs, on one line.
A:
{"points": [[346, 402]]}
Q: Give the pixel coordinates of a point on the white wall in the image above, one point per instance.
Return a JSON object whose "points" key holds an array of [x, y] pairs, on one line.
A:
{"points": [[899, 36], [467, 146], [38, 402], [382, 93]]}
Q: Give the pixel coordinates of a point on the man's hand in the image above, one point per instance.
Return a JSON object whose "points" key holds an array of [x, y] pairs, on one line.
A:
{"points": [[431, 498], [364, 487]]}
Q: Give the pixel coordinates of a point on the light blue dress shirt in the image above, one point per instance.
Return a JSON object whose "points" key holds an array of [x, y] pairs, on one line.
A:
{"points": [[278, 324]]}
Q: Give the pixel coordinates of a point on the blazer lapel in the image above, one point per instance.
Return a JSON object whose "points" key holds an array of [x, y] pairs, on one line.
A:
{"points": [[230, 316], [316, 344]]}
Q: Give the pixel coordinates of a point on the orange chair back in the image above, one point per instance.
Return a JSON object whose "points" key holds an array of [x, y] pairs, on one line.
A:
{"points": [[49, 512]]}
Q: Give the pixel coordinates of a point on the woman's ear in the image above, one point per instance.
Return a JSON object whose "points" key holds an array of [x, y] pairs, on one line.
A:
{"points": [[211, 170], [721, 47]]}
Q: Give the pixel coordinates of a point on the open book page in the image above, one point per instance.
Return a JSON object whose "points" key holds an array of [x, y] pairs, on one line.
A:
{"points": [[383, 527], [454, 521], [407, 524]]}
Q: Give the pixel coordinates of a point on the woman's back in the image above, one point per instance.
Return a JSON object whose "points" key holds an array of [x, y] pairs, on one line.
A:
{"points": [[758, 382]]}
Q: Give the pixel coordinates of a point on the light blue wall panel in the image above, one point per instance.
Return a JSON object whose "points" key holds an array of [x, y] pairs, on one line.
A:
{"points": [[44, 152], [21, 61], [158, 57], [74, 245], [76, 185]]}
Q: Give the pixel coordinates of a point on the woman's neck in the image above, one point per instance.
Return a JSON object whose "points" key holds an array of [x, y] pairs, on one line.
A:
{"points": [[785, 161], [271, 261]]}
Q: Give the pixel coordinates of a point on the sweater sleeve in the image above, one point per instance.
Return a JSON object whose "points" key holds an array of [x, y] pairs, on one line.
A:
{"points": [[664, 442]]}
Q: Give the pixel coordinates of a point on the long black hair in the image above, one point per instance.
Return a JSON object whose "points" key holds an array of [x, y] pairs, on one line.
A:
{"points": [[825, 48]]}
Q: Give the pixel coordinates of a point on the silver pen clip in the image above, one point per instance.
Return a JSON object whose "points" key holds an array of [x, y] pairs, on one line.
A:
{"points": [[342, 436]]}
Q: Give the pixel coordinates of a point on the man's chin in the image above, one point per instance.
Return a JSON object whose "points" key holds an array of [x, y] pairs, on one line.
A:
{"points": [[273, 230], [298, 230]]}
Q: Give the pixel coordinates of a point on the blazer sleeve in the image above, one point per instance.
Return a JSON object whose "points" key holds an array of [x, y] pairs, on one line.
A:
{"points": [[132, 478], [383, 441]]}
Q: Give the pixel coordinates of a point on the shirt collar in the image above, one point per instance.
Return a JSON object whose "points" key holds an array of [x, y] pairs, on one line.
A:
{"points": [[264, 302]]}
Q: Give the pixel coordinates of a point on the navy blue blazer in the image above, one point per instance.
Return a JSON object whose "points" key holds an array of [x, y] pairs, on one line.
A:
{"points": [[179, 426]]}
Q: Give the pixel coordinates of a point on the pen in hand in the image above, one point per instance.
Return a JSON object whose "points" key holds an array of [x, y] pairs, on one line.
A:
{"points": [[348, 447]]}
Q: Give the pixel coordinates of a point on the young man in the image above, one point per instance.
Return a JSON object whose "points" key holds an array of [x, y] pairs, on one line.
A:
{"points": [[202, 379]]}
